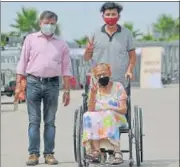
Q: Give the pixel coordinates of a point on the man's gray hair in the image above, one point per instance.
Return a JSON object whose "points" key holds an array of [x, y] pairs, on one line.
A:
{"points": [[48, 15]]}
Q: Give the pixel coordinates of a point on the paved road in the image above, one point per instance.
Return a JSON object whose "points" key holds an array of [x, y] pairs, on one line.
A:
{"points": [[161, 127]]}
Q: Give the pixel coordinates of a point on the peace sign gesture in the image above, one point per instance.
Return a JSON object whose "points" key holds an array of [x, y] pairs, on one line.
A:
{"points": [[89, 49], [94, 87], [90, 44]]}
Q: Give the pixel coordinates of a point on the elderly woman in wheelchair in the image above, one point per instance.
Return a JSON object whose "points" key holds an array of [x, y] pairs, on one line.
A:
{"points": [[106, 114]]}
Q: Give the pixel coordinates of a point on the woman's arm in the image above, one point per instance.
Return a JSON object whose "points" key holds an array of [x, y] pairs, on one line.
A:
{"points": [[92, 101], [122, 100], [122, 109], [92, 96]]}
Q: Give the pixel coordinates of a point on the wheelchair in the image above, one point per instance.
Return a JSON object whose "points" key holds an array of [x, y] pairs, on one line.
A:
{"points": [[134, 131]]}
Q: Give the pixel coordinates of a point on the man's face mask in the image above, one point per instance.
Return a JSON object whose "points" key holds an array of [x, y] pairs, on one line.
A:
{"points": [[111, 17], [103, 81], [111, 21], [48, 29]]}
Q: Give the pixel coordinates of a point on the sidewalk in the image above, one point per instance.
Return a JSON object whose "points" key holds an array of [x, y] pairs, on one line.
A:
{"points": [[161, 143], [174, 165]]}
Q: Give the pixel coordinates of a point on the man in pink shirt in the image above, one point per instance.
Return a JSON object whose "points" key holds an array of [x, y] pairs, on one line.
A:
{"points": [[43, 59]]}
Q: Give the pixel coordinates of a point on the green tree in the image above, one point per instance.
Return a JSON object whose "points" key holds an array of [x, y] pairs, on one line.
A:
{"points": [[14, 34], [147, 37], [176, 34], [174, 38], [130, 26], [176, 31], [82, 41], [27, 21], [166, 26], [4, 38]]}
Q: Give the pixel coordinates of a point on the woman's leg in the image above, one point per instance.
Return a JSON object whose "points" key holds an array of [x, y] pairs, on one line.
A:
{"points": [[96, 154], [90, 134], [95, 145], [116, 157], [117, 147]]}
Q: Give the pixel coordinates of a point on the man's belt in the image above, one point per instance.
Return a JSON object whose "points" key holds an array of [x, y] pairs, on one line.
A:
{"points": [[44, 79]]}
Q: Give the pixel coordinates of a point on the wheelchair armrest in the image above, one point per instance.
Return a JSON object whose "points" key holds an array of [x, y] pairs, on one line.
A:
{"points": [[124, 130]]}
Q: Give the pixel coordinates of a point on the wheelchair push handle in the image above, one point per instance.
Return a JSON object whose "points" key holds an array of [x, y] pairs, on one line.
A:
{"points": [[128, 89], [129, 80]]}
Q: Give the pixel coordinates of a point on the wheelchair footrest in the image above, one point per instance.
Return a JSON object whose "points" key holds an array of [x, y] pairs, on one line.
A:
{"points": [[106, 151], [111, 151]]}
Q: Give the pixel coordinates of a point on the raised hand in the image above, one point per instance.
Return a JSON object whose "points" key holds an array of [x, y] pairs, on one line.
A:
{"points": [[94, 87], [89, 48]]}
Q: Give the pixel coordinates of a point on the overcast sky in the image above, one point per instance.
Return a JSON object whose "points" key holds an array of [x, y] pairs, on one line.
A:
{"points": [[81, 18]]}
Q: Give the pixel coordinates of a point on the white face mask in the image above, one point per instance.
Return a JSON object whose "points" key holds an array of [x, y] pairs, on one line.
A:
{"points": [[48, 29]]}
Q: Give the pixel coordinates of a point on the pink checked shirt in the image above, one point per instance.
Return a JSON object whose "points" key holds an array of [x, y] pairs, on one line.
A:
{"points": [[44, 58]]}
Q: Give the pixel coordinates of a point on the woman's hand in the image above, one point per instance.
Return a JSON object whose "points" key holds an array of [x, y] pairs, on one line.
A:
{"points": [[122, 110], [92, 98], [94, 87]]}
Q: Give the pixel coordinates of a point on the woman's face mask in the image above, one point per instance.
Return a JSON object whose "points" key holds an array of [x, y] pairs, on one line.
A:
{"points": [[103, 81], [48, 29]]}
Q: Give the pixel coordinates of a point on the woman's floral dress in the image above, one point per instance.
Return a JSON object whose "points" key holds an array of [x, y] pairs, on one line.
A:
{"points": [[104, 124]]}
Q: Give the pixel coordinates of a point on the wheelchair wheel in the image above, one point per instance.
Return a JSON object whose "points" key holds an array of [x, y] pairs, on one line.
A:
{"points": [[137, 136], [141, 132], [75, 134], [80, 148]]}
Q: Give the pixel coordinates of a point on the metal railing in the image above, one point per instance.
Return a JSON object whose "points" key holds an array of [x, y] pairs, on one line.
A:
{"points": [[170, 63]]}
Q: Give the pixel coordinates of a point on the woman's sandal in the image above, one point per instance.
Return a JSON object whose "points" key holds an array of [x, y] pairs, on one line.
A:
{"points": [[116, 158], [95, 157]]}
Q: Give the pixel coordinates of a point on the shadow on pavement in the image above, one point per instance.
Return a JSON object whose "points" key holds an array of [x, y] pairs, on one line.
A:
{"points": [[158, 163]]}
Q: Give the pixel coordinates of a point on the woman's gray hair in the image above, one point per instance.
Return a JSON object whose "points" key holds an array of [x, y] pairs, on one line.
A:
{"points": [[48, 15]]}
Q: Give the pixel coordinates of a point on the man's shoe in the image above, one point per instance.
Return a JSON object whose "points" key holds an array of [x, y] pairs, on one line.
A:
{"points": [[50, 159], [33, 160]]}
